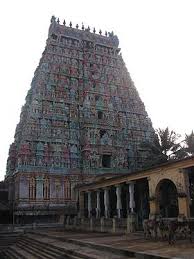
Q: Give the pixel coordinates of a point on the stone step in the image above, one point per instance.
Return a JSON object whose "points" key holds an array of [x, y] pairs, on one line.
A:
{"points": [[6, 254], [35, 251], [32, 247], [49, 249], [111, 249], [7, 239], [12, 253], [124, 253], [85, 252], [44, 250]]}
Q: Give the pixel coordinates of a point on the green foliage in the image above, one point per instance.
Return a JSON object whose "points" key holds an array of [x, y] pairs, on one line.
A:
{"points": [[165, 146], [168, 142], [189, 143]]}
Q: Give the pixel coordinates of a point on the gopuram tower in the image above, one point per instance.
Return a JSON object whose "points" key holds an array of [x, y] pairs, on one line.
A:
{"points": [[83, 117]]}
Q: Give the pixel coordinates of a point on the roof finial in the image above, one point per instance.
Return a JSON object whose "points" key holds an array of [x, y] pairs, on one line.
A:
{"points": [[88, 28], [111, 34], [58, 21], [77, 26], [100, 32], [94, 30], [70, 24], [82, 26], [64, 22], [106, 33], [53, 19]]}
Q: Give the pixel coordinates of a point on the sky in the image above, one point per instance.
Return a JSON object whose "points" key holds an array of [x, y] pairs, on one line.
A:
{"points": [[157, 45]]}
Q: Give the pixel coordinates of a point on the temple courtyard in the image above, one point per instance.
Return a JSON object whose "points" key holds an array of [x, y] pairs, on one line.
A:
{"points": [[57, 243]]}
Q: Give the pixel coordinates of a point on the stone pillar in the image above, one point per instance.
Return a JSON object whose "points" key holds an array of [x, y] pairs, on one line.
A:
{"points": [[131, 196], [106, 202], [82, 224], [73, 192], [119, 204], [91, 224], [75, 222], [68, 221], [131, 223], [98, 204], [23, 187], [183, 205], [81, 205], [89, 204], [61, 219], [102, 224], [39, 187], [114, 225], [153, 199], [154, 207], [184, 198]]}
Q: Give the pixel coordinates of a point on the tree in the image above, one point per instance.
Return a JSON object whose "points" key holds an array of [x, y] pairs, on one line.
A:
{"points": [[165, 146], [189, 143]]}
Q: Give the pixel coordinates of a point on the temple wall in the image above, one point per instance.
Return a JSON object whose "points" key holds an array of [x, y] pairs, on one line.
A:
{"points": [[59, 190]]}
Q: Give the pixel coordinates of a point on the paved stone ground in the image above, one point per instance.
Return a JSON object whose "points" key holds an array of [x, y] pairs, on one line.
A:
{"points": [[132, 242]]}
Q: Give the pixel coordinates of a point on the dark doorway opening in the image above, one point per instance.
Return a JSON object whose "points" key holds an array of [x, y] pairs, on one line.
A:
{"points": [[106, 161], [168, 199], [100, 115], [101, 204], [102, 132], [85, 205], [113, 202], [124, 199]]}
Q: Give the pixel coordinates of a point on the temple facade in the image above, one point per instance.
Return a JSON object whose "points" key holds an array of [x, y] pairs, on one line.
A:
{"points": [[83, 117]]}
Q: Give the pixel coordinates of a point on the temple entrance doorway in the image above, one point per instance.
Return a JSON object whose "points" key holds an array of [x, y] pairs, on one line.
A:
{"points": [[167, 198]]}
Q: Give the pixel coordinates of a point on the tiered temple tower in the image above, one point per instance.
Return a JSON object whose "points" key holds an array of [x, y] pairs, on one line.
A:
{"points": [[82, 117]]}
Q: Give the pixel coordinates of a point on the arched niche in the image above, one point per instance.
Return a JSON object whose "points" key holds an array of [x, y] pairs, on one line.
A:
{"points": [[167, 198]]}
